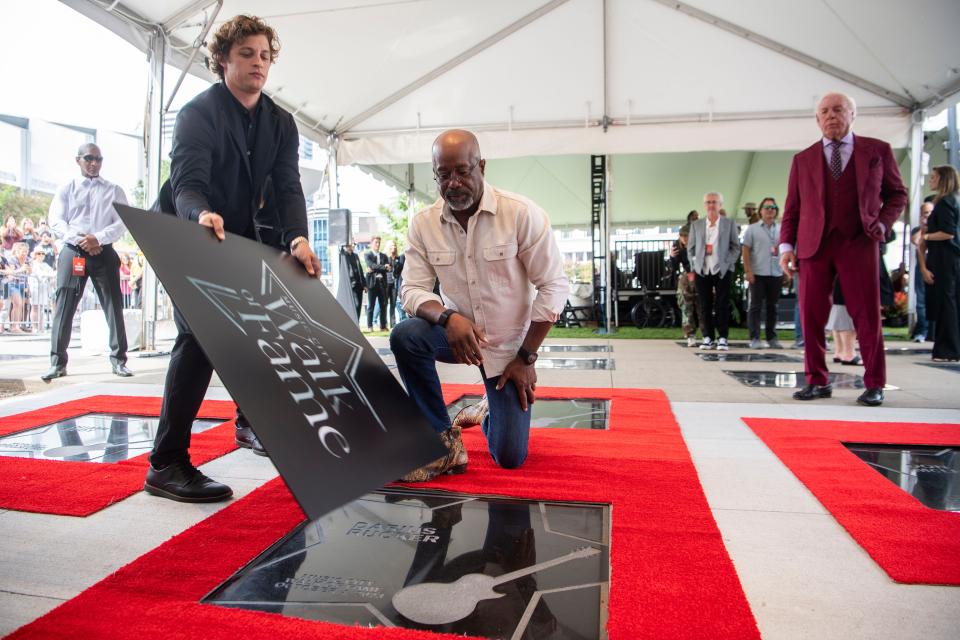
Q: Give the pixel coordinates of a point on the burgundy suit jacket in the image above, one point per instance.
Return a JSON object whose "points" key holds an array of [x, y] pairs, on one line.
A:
{"points": [[880, 192]]}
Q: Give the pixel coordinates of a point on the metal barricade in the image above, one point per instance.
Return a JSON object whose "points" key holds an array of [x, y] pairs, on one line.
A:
{"points": [[641, 264], [27, 302]]}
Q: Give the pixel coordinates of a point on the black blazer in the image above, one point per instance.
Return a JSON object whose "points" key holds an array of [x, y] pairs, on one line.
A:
{"points": [[210, 169], [377, 263], [357, 281]]}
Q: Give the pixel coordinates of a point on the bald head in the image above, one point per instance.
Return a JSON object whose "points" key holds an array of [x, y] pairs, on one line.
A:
{"points": [[89, 160], [456, 141], [88, 147], [458, 170]]}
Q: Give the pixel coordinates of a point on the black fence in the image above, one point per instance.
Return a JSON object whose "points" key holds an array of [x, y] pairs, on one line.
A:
{"points": [[642, 265]]}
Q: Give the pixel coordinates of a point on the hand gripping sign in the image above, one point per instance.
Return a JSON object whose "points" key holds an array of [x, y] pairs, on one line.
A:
{"points": [[334, 420]]}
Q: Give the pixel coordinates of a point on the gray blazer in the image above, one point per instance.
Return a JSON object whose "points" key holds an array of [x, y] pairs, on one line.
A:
{"points": [[727, 249]]}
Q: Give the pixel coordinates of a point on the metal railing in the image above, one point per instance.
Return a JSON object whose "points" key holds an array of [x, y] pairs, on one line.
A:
{"points": [[641, 264], [26, 303]]}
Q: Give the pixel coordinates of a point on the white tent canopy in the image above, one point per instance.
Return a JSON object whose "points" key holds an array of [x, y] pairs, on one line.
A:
{"points": [[379, 78]]}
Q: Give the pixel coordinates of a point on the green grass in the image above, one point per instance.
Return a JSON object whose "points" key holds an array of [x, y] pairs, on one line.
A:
{"points": [[671, 333]]}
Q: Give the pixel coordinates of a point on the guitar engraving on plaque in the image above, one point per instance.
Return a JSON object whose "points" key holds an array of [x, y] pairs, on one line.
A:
{"points": [[442, 603]]}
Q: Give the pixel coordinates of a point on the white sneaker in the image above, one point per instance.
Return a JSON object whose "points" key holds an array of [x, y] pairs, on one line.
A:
{"points": [[706, 344], [691, 341], [722, 345]]}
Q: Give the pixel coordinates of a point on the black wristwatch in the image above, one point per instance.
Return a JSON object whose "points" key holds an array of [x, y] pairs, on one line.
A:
{"points": [[445, 317], [526, 357]]}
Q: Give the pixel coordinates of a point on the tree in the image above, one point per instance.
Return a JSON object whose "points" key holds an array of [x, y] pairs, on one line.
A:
{"points": [[138, 196], [398, 214], [22, 204]]}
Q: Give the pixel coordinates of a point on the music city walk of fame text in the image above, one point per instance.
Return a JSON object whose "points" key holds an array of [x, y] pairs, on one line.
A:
{"points": [[299, 350]]}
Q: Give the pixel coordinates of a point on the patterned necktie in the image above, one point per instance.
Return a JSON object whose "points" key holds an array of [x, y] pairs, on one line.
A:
{"points": [[836, 167]]}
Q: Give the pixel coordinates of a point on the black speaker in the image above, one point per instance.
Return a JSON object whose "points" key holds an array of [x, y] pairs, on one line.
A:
{"points": [[338, 221]]}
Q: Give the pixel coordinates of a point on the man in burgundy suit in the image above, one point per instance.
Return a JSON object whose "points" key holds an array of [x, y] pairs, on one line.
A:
{"points": [[844, 194]]}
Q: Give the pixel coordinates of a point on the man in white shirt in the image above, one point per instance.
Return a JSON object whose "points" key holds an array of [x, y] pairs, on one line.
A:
{"points": [[502, 287], [82, 214], [713, 249], [761, 270]]}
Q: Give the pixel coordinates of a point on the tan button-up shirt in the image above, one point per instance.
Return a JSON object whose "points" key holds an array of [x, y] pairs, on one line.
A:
{"points": [[502, 273]]}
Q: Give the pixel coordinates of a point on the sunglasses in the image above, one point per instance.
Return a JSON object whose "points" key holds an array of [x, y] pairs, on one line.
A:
{"points": [[90, 158], [770, 206]]}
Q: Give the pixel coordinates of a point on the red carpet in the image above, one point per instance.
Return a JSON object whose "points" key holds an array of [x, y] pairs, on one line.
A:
{"points": [[69, 488], [670, 574], [911, 542]]}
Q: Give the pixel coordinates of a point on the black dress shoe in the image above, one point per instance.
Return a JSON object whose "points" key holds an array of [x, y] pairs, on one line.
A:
{"points": [[54, 372], [246, 438], [183, 482], [121, 370], [855, 361], [814, 391], [872, 397]]}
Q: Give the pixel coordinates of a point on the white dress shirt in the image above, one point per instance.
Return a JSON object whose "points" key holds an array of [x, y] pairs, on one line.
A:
{"points": [[846, 150], [84, 206], [502, 273], [711, 261]]}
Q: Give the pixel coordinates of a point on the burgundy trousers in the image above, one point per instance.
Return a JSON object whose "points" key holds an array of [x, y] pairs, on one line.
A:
{"points": [[857, 263]]}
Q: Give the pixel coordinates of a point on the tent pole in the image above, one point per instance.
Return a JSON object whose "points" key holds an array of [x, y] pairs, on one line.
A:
{"points": [[903, 100], [333, 173], [153, 128], [916, 198], [197, 44], [450, 64], [610, 268], [953, 153]]}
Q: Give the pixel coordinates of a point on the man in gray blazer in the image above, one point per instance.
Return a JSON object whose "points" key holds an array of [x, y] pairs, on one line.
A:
{"points": [[714, 249]]}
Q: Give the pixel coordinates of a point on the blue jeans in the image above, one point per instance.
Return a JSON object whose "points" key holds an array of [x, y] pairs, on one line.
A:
{"points": [[417, 345]]}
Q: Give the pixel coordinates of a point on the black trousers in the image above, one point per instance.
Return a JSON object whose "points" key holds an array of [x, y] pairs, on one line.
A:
{"points": [[377, 292], [188, 377], [358, 299], [764, 294], [713, 291], [392, 304], [943, 300], [104, 270]]}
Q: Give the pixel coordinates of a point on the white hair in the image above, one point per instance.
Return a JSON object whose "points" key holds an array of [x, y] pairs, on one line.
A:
{"points": [[846, 98], [714, 193]]}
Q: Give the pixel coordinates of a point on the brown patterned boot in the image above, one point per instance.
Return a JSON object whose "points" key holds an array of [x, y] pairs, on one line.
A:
{"points": [[473, 415], [454, 462]]}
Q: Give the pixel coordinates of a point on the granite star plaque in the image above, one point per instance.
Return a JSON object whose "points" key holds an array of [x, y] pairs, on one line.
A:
{"points": [[445, 562], [334, 420]]}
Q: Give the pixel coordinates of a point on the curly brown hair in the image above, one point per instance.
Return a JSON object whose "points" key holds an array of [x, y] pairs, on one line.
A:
{"points": [[235, 30]]}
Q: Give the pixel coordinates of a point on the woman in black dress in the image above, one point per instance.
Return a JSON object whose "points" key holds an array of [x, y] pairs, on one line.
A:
{"points": [[941, 267]]}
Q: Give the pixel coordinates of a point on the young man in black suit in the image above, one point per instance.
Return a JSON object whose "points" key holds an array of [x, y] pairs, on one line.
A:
{"points": [[227, 143], [377, 268]]}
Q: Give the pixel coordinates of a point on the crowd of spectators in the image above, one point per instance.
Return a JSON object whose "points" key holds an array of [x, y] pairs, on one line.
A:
{"points": [[28, 274], [707, 256], [702, 289]]}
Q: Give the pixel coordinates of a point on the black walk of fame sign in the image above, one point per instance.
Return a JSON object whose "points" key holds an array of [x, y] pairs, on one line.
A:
{"points": [[334, 420]]}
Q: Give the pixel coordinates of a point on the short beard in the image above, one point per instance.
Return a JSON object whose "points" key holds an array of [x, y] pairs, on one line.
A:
{"points": [[464, 207]]}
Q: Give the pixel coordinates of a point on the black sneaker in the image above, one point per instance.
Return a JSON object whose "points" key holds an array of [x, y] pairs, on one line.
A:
{"points": [[183, 482]]}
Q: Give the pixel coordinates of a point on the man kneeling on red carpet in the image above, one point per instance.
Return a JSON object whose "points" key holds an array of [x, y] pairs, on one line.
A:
{"points": [[502, 287]]}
